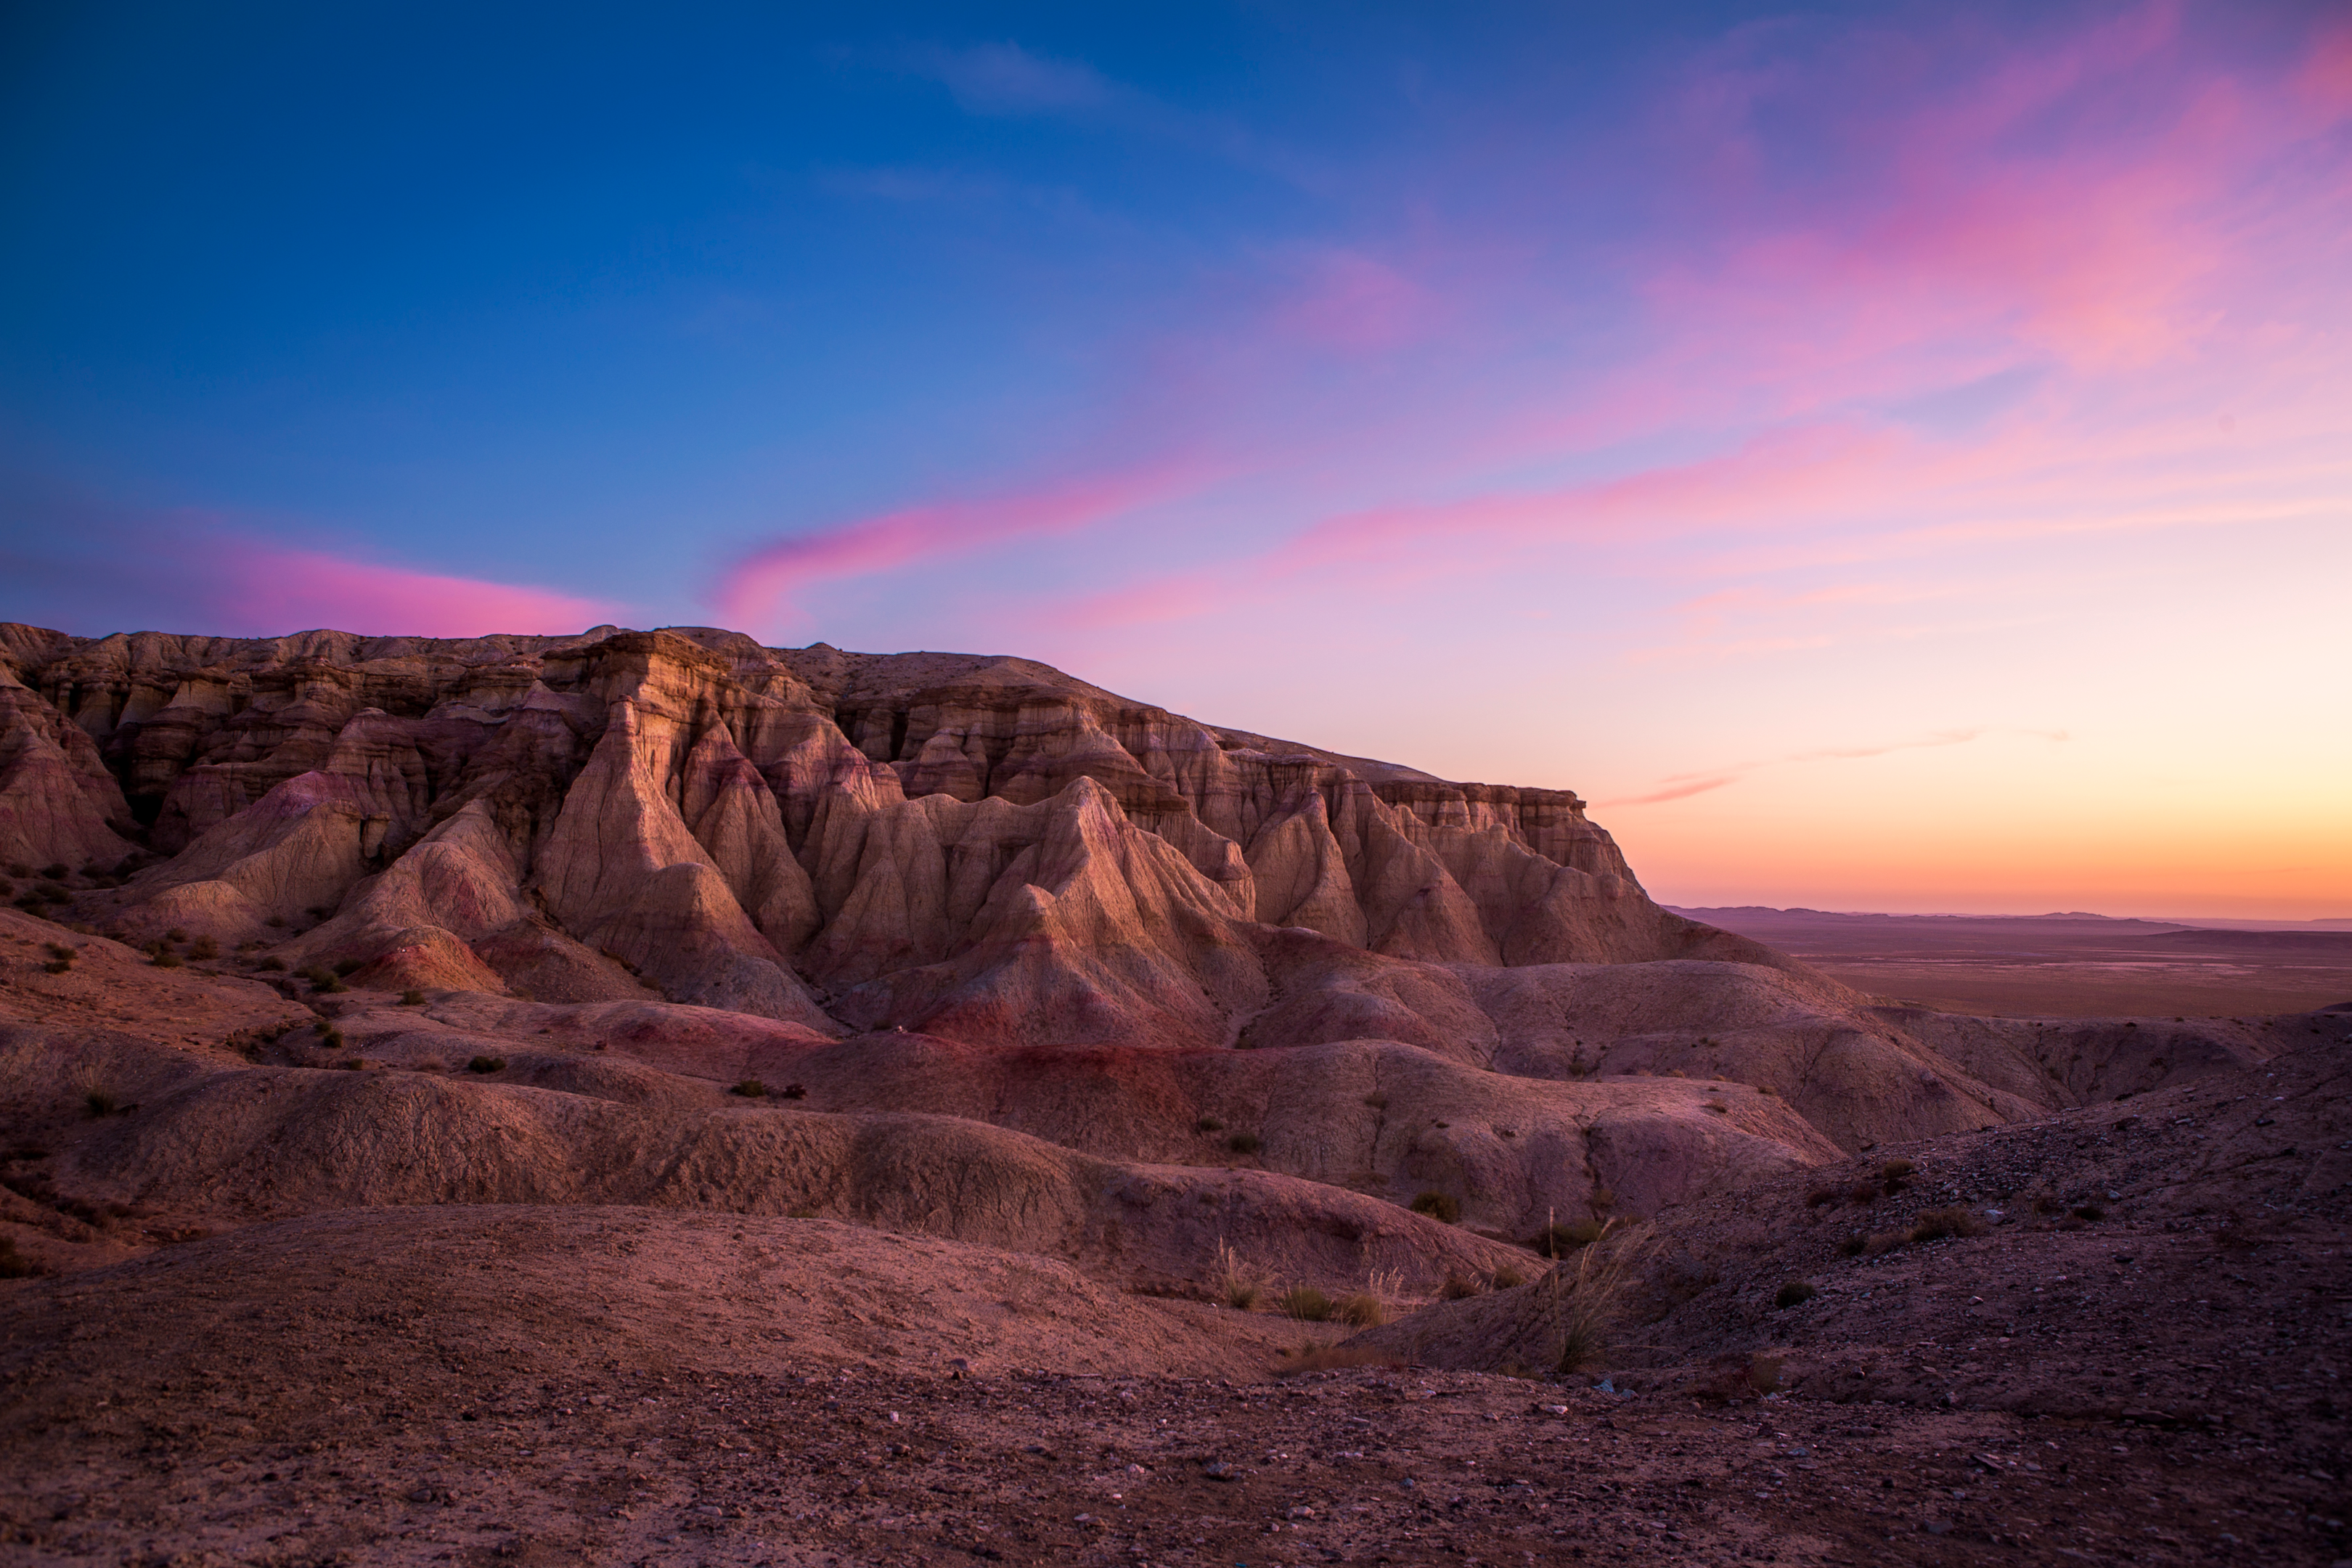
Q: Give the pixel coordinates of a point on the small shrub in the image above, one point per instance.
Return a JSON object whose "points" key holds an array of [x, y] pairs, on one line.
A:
{"points": [[1377, 1102], [1305, 1303], [1243, 1143], [1938, 1224], [1508, 1278], [204, 950], [487, 1064], [1457, 1287], [1895, 1170], [1766, 1089], [1444, 1207], [15, 1265], [1208, 1124], [271, 966], [333, 985], [277, 921], [55, 870], [1884, 1241], [1863, 1192], [176, 933], [332, 1040], [1795, 1293], [58, 967], [18, 869], [349, 1064], [2087, 1211], [1854, 1244], [791, 1090], [412, 998], [349, 967], [1362, 1311], [58, 951], [1821, 1196], [1560, 1240], [165, 958], [320, 911], [1602, 1200], [51, 893], [751, 1088], [97, 1101], [1718, 1108]]}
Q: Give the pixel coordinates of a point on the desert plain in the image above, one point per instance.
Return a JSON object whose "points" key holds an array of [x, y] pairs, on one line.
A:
{"points": [[650, 1098]]}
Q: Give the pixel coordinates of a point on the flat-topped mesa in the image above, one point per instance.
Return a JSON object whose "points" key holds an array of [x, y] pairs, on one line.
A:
{"points": [[913, 838]]}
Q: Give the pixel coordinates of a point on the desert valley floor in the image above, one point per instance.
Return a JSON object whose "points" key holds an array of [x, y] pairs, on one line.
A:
{"points": [[649, 1098]]}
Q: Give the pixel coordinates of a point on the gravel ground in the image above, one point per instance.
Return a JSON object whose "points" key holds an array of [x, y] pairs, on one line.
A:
{"points": [[1365, 1465]]}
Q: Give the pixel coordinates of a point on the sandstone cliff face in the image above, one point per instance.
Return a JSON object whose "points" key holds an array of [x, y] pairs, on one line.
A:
{"points": [[982, 848]]}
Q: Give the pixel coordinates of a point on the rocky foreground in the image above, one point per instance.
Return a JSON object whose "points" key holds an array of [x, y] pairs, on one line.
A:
{"points": [[560, 1097]]}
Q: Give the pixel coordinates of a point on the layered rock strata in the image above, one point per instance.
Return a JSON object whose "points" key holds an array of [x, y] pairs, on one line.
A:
{"points": [[981, 848]]}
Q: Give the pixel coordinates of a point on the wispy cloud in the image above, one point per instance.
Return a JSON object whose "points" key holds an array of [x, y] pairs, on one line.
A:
{"points": [[760, 585], [1682, 787], [193, 571], [1003, 79]]}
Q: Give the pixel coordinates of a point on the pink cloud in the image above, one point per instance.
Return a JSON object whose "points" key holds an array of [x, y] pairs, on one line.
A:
{"points": [[756, 583], [1352, 300], [293, 590]]}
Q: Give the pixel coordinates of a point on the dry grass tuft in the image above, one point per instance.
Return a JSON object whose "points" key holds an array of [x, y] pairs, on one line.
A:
{"points": [[1444, 1207], [1795, 1293], [1457, 1287], [1560, 1240], [1236, 1283], [1592, 1295], [1362, 1311], [1305, 1303]]}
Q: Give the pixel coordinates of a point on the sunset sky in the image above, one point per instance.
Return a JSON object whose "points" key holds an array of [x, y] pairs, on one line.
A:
{"points": [[1885, 456]]}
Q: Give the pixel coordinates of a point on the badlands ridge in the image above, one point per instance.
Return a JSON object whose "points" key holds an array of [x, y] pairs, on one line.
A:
{"points": [[954, 965]]}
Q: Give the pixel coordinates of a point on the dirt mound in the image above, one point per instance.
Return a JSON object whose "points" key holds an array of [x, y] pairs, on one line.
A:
{"points": [[518, 1286], [2173, 1260], [231, 1146]]}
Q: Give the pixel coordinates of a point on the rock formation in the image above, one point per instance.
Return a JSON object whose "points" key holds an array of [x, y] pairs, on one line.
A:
{"points": [[981, 848]]}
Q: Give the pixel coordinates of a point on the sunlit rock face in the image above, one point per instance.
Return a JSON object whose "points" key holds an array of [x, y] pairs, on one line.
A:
{"points": [[981, 848]]}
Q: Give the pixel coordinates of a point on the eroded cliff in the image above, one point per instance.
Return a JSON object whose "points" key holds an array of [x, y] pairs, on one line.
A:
{"points": [[982, 848]]}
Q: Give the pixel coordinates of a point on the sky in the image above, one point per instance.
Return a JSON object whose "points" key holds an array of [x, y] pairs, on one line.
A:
{"points": [[1884, 455]]}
